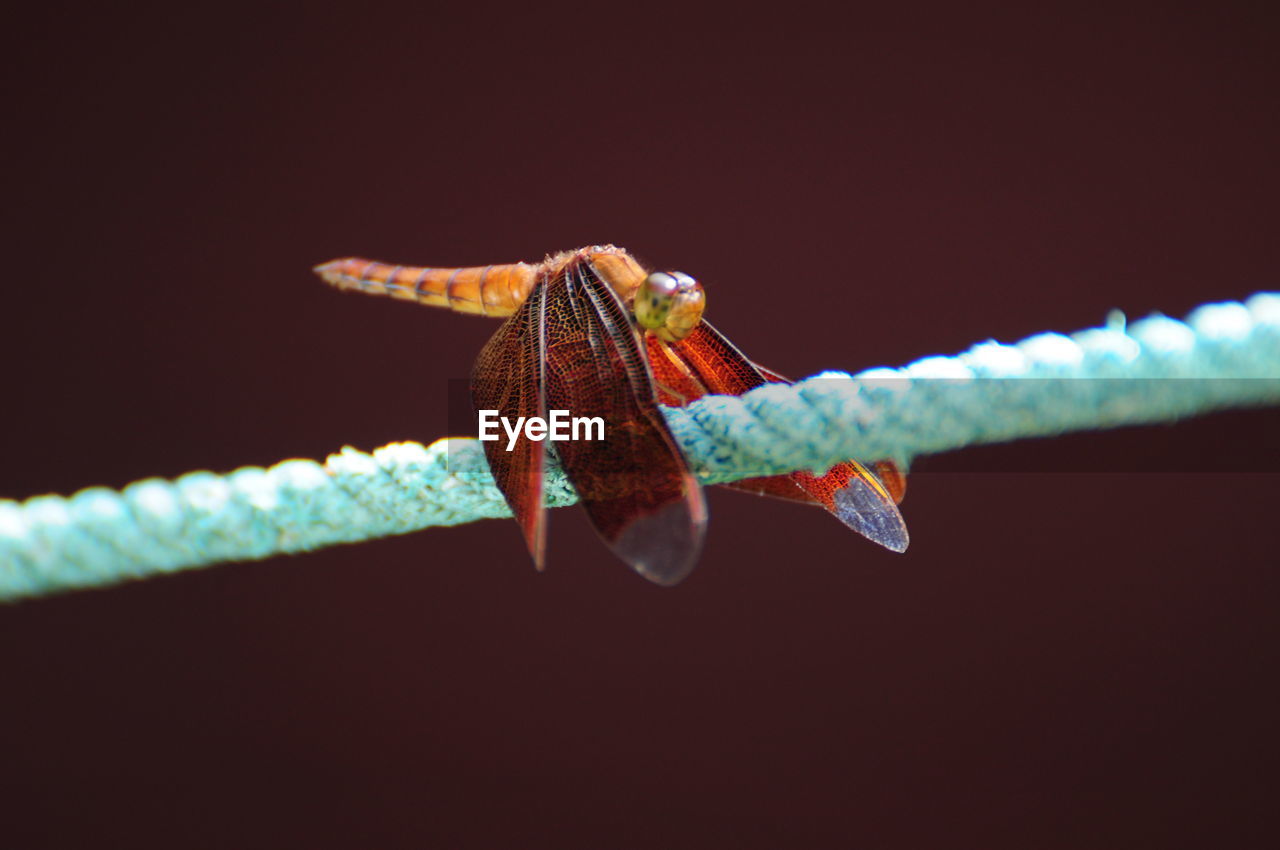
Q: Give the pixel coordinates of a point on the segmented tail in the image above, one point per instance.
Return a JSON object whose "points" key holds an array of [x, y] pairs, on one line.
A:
{"points": [[486, 290]]}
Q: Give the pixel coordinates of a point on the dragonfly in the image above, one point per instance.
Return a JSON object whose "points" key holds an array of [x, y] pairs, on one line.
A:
{"points": [[591, 331]]}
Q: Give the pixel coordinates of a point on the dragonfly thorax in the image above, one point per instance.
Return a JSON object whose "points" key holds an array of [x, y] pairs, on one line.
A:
{"points": [[670, 304]]}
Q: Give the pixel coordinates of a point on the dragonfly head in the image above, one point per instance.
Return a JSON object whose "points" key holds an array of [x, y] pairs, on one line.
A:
{"points": [[670, 304]]}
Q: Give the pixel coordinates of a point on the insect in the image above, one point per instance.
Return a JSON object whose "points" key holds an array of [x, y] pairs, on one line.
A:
{"points": [[592, 332]]}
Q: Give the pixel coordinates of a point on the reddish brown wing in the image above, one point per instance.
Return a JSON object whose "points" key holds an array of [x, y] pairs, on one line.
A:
{"points": [[510, 377], [635, 484], [706, 362], [575, 350]]}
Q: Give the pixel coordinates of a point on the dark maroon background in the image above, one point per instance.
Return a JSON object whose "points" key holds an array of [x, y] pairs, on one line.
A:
{"points": [[1062, 660]]}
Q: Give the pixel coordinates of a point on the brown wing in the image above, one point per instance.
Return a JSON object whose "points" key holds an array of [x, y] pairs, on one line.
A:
{"points": [[510, 377], [634, 483], [706, 362]]}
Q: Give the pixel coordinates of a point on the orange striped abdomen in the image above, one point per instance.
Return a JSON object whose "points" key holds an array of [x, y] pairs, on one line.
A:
{"points": [[496, 290]]}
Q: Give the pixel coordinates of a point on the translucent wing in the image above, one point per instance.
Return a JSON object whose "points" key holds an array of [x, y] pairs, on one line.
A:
{"points": [[510, 377], [705, 362], [571, 348]]}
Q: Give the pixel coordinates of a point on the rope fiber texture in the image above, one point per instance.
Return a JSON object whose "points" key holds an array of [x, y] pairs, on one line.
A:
{"points": [[1155, 370]]}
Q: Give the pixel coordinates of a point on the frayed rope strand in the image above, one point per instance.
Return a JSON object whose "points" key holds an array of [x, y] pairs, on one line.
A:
{"points": [[1159, 369]]}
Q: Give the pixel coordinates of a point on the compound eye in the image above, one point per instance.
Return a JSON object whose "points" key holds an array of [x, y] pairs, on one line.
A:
{"points": [[670, 304], [654, 299]]}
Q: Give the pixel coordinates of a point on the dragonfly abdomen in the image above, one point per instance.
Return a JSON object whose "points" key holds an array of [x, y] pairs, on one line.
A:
{"points": [[496, 290]]}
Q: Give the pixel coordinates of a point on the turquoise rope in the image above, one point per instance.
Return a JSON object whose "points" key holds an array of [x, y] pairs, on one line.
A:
{"points": [[1224, 355], [1155, 370]]}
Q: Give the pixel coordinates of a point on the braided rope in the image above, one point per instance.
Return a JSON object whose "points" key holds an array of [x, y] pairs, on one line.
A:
{"points": [[1154, 370], [1225, 355]]}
